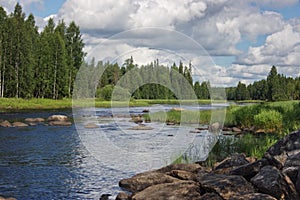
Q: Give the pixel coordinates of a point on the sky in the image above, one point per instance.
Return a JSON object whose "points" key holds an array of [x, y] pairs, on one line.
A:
{"points": [[225, 40]]}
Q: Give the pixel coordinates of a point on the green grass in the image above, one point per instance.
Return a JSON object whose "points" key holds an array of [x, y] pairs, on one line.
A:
{"points": [[33, 104], [174, 116], [251, 145], [280, 117], [10, 104]]}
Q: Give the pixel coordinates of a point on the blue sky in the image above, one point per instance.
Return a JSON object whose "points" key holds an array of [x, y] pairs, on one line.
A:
{"points": [[243, 37]]}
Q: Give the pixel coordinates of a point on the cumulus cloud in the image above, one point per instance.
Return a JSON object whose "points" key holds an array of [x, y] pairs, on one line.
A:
{"points": [[280, 48], [217, 25], [9, 5]]}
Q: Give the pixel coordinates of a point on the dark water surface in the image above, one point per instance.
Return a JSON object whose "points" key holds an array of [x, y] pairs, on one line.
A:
{"points": [[46, 162]]}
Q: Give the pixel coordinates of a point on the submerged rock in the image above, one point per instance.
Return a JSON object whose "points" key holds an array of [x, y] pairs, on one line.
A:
{"points": [[91, 125], [140, 127]]}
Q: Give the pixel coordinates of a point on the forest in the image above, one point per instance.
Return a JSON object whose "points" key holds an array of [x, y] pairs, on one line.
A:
{"points": [[43, 63], [38, 63]]}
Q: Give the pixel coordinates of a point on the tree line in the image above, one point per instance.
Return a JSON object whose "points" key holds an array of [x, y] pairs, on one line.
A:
{"points": [[276, 87], [150, 81], [34, 63]]}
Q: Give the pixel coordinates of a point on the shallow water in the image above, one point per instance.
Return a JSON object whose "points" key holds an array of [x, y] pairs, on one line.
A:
{"points": [[47, 162]]}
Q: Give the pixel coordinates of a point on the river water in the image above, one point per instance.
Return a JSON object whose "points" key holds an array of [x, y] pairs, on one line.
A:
{"points": [[49, 162]]}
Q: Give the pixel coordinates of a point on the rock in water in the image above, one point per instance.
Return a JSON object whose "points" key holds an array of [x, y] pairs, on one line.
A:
{"points": [[60, 123], [19, 124], [34, 120], [58, 118], [91, 125], [5, 124]]}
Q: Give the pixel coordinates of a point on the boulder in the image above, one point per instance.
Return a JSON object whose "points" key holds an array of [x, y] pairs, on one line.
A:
{"points": [[285, 147], [60, 123], [5, 124], [105, 197], [236, 130], [272, 181], [292, 170], [136, 119], [123, 196], [253, 196], [141, 181], [233, 161], [34, 120], [58, 118], [210, 196], [19, 124], [225, 185], [193, 167], [182, 175], [183, 190], [293, 161], [249, 170], [214, 127]]}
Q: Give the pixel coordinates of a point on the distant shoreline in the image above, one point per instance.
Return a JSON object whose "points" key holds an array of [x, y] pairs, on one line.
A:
{"points": [[18, 104]]}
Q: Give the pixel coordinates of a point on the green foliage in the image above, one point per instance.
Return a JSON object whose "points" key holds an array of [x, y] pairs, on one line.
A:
{"points": [[269, 120], [280, 117], [276, 87], [251, 145], [177, 117], [37, 64]]}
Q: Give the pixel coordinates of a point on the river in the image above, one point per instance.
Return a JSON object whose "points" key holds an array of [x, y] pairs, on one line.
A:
{"points": [[51, 162]]}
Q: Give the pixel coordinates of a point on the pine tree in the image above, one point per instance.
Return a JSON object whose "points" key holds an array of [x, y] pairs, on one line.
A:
{"points": [[75, 54], [273, 85]]}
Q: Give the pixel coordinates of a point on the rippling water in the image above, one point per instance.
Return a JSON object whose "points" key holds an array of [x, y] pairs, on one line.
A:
{"points": [[47, 162]]}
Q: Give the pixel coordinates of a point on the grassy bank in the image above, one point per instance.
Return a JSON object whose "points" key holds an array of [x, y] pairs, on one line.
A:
{"points": [[10, 104], [273, 117]]}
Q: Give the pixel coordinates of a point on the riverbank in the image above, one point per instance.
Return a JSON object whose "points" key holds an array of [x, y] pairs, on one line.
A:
{"points": [[267, 117], [275, 176], [13, 104]]}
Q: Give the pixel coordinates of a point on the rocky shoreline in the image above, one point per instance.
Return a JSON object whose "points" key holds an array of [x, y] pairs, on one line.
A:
{"points": [[275, 176]]}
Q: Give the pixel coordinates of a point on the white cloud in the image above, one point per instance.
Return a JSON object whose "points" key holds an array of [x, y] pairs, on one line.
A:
{"points": [[9, 5], [218, 25], [280, 48]]}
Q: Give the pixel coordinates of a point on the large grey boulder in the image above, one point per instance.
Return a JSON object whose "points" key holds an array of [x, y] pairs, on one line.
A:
{"points": [[183, 190], [143, 180], [225, 185], [272, 181]]}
